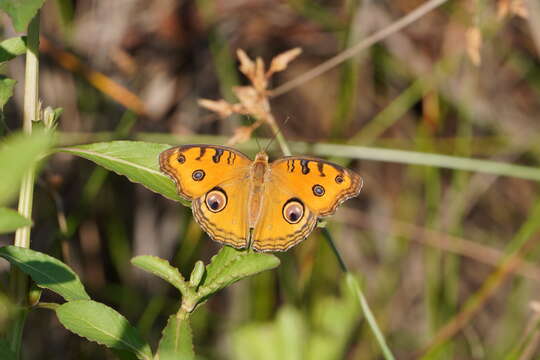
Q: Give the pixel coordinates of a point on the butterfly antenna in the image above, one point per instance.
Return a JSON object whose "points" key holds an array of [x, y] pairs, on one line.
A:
{"points": [[276, 134], [258, 144]]}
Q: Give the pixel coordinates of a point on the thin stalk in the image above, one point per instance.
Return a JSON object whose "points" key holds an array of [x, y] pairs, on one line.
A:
{"points": [[339, 258], [353, 285], [19, 281]]}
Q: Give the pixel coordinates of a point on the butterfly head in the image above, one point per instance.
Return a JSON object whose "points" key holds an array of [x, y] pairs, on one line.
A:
{"points": [[261, 157]]}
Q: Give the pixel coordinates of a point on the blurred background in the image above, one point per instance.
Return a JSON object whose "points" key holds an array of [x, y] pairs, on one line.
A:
{"points": [[428, 244]]}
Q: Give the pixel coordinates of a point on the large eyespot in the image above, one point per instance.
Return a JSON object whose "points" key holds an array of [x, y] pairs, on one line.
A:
{"points": [[318, 190], [293, 211], [339, 179], [181, 159], [198, 175], [216, 200]]}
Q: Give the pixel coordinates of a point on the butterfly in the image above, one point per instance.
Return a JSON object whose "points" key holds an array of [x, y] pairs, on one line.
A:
{"points": [[257, 204]]}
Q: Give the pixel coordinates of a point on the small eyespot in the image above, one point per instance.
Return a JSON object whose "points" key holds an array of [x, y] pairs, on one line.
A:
{"points": [[318, 190], [181, 159], [339, 179], [293, 211], [216, 200], [198, 175]]}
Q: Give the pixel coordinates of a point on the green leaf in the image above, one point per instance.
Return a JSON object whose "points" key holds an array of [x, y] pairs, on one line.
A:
{"points": [[6, 90], [10, 220], [104, 325], [18, 153], [12, 47], [21, 11], [231, 265], [124, 354], [162, 269], [5, 351], [46, 271], [177, 340], [226, 255], [137, 160]]}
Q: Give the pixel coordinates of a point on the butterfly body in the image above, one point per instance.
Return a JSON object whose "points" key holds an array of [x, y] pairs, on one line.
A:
{"points": [[259, 176], [245, 203]]}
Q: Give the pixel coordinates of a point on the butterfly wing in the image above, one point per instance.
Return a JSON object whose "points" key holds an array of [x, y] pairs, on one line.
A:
{"points": [[205, 174], [317, 185]]}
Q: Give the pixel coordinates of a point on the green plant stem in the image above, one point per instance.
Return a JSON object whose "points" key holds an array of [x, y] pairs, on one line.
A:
{"points": [[22, 236], [19, 281]]}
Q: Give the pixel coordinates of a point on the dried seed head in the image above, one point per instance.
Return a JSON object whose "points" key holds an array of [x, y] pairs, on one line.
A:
{"points": [[221, 107], [281, 61]]}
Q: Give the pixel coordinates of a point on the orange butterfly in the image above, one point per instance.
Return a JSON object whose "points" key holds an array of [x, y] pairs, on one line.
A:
{"points": [[245, 203]]}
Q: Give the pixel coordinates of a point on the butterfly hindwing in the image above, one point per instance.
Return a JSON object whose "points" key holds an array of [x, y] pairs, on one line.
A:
{"points": [[274, 232], [228, 225]]}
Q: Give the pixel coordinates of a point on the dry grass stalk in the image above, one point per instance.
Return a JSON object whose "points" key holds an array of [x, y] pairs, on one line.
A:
{"points": [[473, 38]]}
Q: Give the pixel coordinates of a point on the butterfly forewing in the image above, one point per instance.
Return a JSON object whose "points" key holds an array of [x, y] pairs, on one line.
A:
{"points": [[322, 185], [196, 169]]}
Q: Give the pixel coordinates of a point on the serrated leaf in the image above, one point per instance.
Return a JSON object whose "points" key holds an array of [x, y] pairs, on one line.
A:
{"points": [[177, 340], [231, 265], [6, 90], [46, 271], [5, 351], [225, 255], [21, 11], [10, 220], [162, 269], [18, 153], [12, 47], [104, 325], [137, 160]]}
